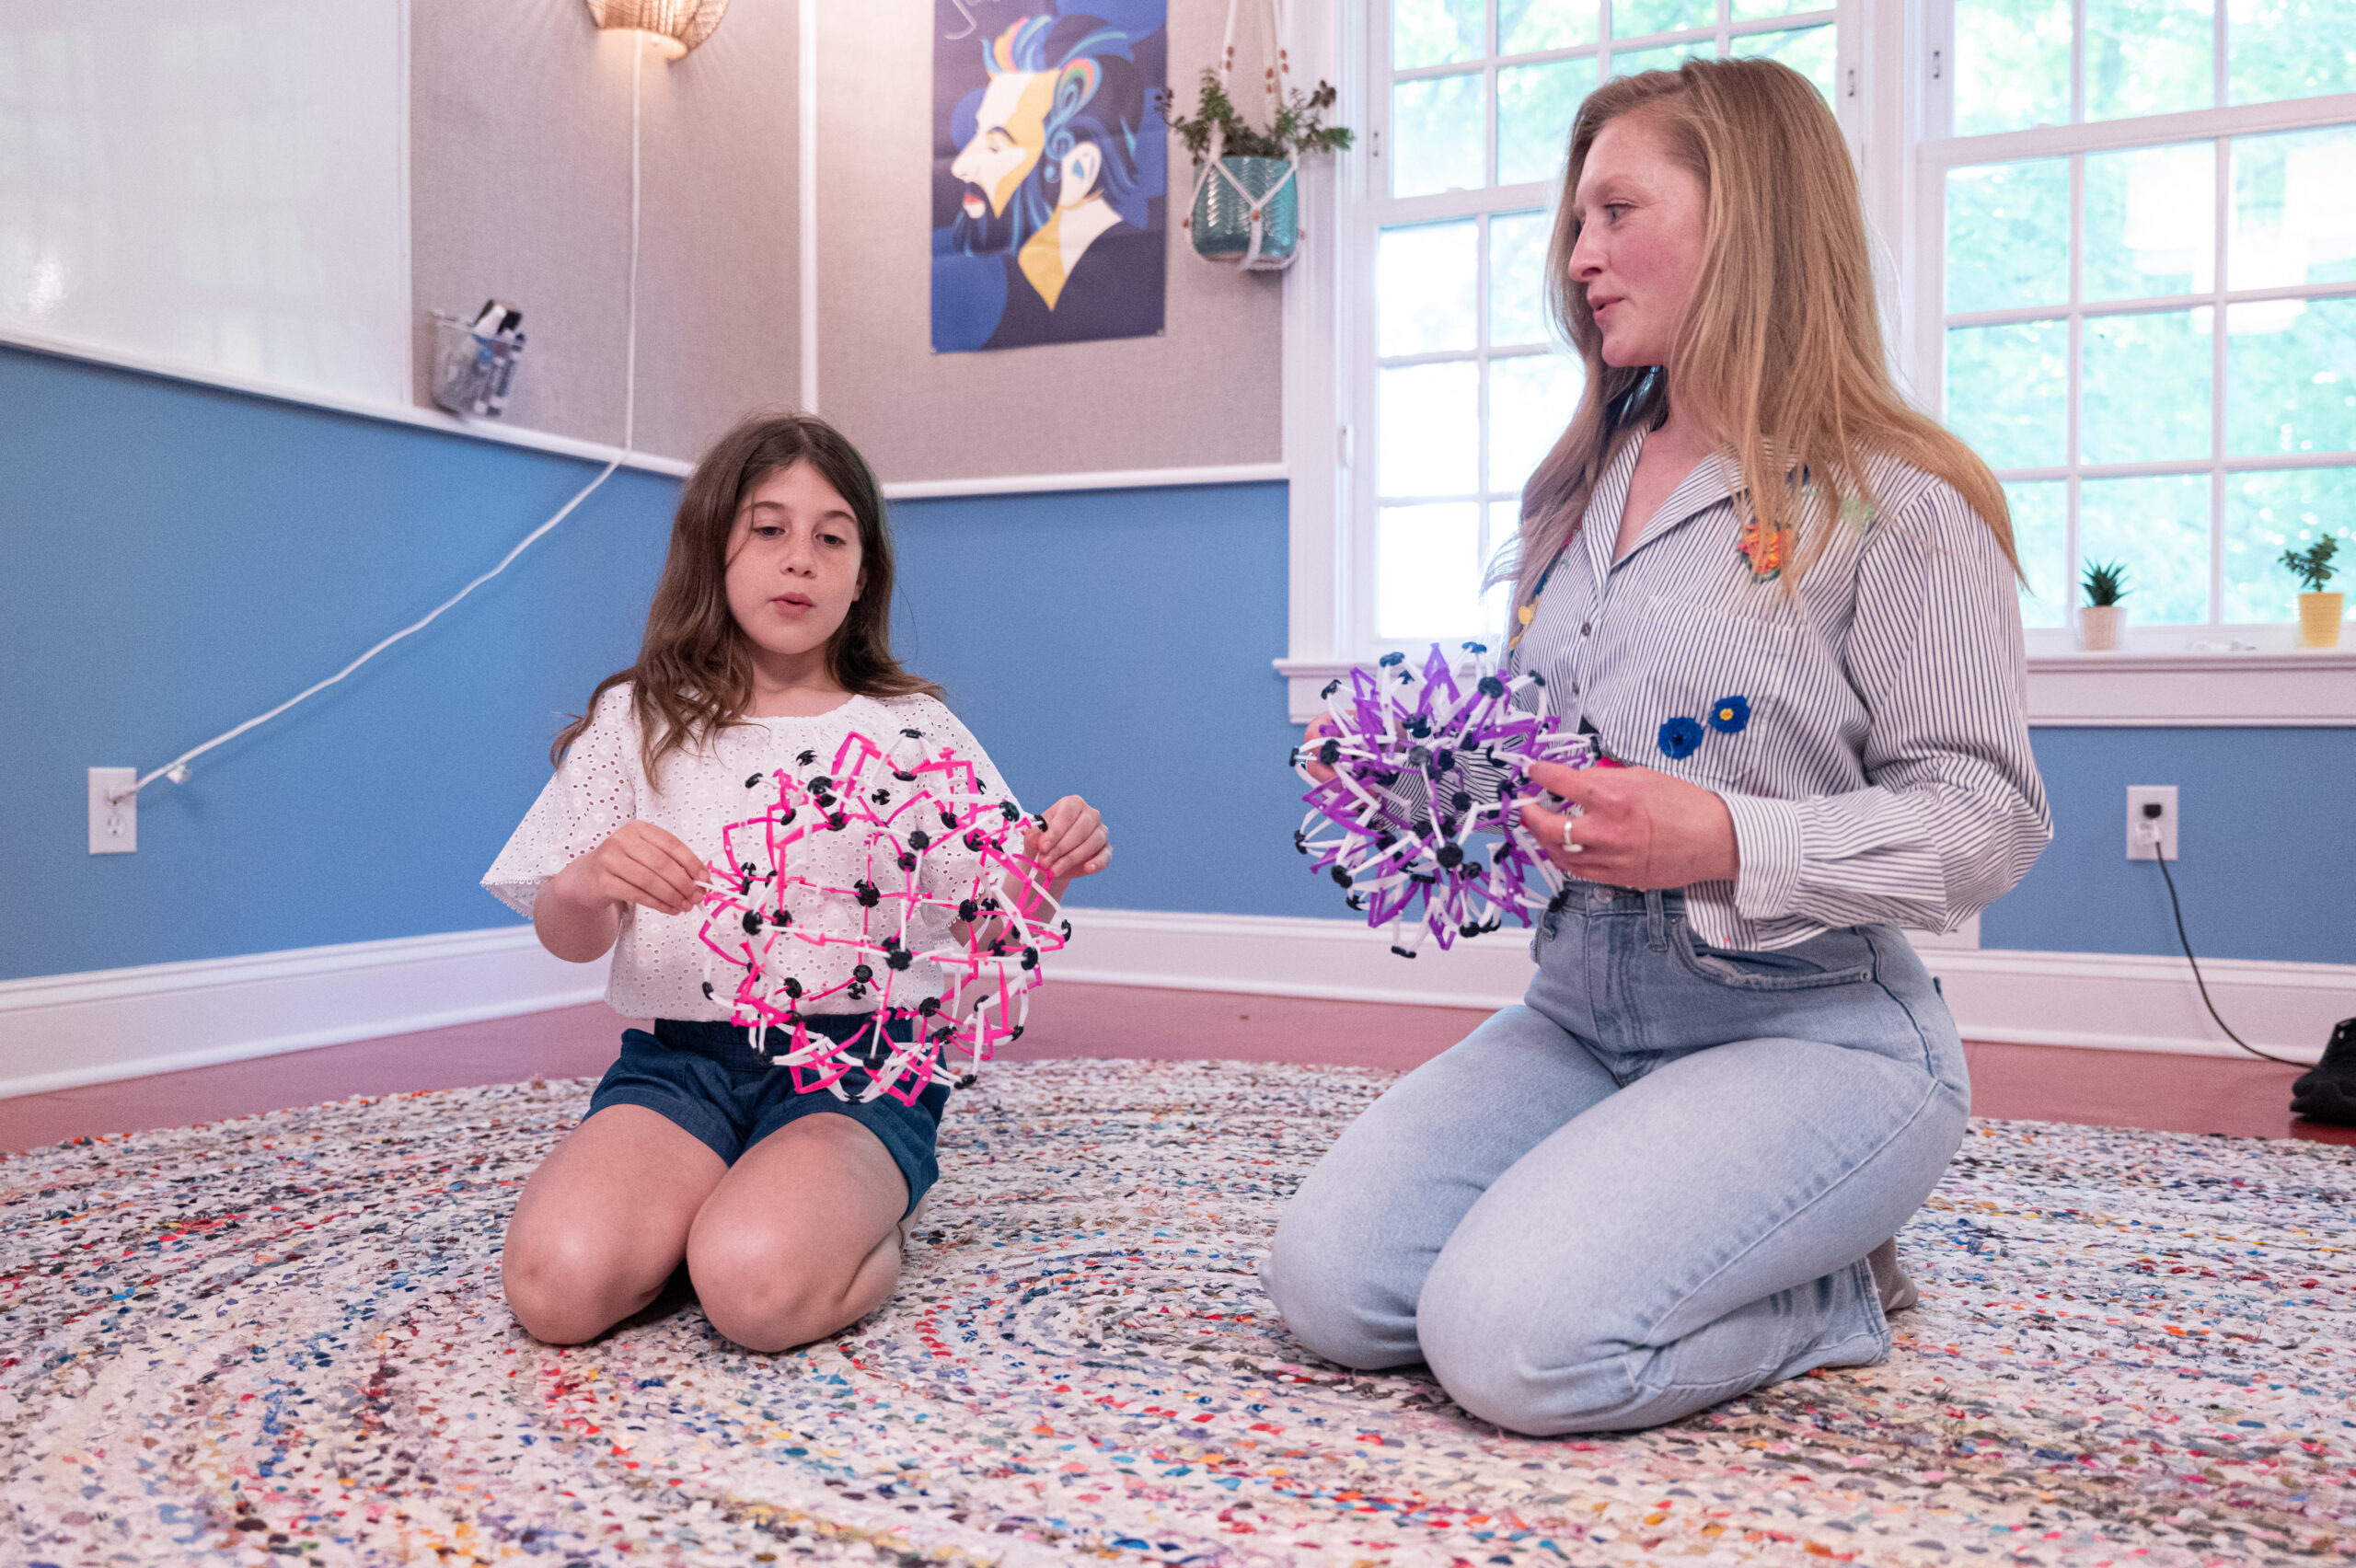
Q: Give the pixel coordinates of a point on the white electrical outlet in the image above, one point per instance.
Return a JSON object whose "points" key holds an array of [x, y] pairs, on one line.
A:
{"points": [[2139, 847], [114, 824]]}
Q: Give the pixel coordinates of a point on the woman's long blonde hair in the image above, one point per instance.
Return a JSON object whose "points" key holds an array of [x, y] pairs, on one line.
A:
{"points": [[1781, 354]]}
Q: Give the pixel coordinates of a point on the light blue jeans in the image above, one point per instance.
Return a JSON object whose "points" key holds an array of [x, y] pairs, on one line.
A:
{"points": [[1649, 1188]]}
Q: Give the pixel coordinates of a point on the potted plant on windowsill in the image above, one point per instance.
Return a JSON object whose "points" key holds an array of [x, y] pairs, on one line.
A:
{"points": [[2319, 612], [1247, 200], [2099, 618]]}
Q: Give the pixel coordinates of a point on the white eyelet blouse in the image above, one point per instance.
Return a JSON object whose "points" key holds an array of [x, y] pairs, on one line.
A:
{"points": [[659, 967]]}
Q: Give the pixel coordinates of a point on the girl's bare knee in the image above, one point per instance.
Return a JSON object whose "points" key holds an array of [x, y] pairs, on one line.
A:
{"points": [[565, 1287], [758, 1295], [548, 1312]]}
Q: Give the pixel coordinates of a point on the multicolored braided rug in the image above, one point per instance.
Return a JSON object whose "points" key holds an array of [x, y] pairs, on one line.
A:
{"points": [[281, 1339]]}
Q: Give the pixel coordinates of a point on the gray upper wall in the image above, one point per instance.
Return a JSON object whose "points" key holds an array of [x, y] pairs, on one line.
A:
{"points": [[519, 189], [519, 181], [1209, 390]]}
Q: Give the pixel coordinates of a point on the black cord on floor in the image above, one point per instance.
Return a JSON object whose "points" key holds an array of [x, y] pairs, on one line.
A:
{"points": [[2196, 980]]}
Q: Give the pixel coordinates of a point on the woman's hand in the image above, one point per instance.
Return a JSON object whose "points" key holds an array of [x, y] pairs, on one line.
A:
{"points": [[1634, 827], [638, 863], [1319, 728], [1073, 844]]}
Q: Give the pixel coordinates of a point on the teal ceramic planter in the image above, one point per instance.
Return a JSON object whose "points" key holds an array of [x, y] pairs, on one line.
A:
{"points": [[1222, 218]]}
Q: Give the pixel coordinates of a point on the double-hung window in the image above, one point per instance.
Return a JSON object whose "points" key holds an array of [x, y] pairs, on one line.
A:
{"points": [[1459, 384], [2139, 293]]}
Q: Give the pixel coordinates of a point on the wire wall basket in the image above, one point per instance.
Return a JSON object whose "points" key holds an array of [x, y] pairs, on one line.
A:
{"points": [[473, 369]]}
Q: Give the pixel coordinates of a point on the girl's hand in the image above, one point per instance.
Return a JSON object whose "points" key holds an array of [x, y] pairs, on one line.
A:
{"points": [[1073, 844], [639, 863], [1319, 728], [1635, 827]]}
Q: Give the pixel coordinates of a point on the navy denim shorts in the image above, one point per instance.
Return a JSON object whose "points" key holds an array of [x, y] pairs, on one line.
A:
{"points": [[707, 1078]]}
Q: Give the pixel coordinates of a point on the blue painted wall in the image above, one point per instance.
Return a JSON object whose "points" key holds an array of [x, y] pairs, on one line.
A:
{"points": [[173, 559], [1117, 644], [2266, 864]]}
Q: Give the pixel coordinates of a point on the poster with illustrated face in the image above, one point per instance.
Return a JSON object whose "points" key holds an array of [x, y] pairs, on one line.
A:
{"points": [[1050, 171]]}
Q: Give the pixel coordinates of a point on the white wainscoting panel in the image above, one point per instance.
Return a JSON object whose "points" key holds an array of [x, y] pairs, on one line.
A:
{"points": [[2122, 1001], [60, 1030], [1274, 955], [2136, 1002]]}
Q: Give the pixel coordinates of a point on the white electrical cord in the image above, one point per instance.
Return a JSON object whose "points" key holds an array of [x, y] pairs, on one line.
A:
{"points": [[176, 769], [630, 359]]}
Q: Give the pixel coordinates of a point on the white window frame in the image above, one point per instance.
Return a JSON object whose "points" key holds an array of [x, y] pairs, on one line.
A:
{"points": [[1378, 213], [1885, 67], [1939, 151], [1329, 351]]}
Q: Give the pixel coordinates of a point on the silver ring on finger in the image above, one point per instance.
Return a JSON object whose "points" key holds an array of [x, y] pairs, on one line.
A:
{"points": [[1568, 846]]}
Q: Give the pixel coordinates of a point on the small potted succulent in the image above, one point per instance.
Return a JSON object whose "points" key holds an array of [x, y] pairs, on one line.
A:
{"points": [[2099, 618], [1244, 175], [2319, 612]]}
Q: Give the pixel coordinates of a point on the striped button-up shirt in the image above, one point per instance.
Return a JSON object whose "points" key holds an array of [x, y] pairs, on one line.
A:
{"points": [[1868, 733]]}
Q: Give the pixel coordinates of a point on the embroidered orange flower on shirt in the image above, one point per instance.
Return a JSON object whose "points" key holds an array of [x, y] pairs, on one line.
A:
{"points": [[1764, 548]]}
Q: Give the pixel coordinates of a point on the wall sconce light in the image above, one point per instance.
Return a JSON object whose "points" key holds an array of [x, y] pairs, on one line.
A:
{"points": [[676, 25]]}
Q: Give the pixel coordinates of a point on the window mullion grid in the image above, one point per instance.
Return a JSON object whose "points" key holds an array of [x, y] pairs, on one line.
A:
{"points": [[1492, 20], [1939, 93], [1604, 38], [1365, 567], [1461, 66], [2223, 196], [1671, 36], [2164, 468], [1367, 455], [2217, 41], [1481, 337], [2220, 9], [1429, 356], [2077, 62], [1793, 22], [1725, 20], [1489, 94], [2075, 340], [2150, 304]]}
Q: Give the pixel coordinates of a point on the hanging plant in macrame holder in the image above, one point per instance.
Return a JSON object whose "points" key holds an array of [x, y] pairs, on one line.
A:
{"points": [[1246, 205]]}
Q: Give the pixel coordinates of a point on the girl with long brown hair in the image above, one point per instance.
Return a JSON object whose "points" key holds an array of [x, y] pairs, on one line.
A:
{"points": [[1785, 601], [767, 644]]}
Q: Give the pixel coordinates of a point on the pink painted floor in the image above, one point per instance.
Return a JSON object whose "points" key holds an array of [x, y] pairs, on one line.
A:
{"points": [[2126, 1089]]}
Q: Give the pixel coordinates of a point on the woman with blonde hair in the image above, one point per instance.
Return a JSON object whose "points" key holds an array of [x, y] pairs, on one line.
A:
{"points": [[1784, 600]]}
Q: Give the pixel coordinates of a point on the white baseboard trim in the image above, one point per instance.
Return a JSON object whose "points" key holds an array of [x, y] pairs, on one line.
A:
{"points": [[57, 1031], [2135, 1002], [1273, 955], [2114, 1002]]}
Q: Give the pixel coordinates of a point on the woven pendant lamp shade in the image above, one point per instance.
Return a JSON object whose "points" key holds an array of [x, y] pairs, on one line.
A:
{"points": [[678, 26]]}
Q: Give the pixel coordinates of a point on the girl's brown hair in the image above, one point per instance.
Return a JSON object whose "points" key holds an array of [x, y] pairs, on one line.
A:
{"points": [[694, 674], [1781, 353]]}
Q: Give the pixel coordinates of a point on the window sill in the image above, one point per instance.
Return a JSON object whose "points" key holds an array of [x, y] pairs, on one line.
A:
{"points": [[2129, 691], [2208, 690]]}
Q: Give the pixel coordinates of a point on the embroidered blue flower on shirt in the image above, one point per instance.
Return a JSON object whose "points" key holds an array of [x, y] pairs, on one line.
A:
{"points": [[1730, 714], [1680, 738]]}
